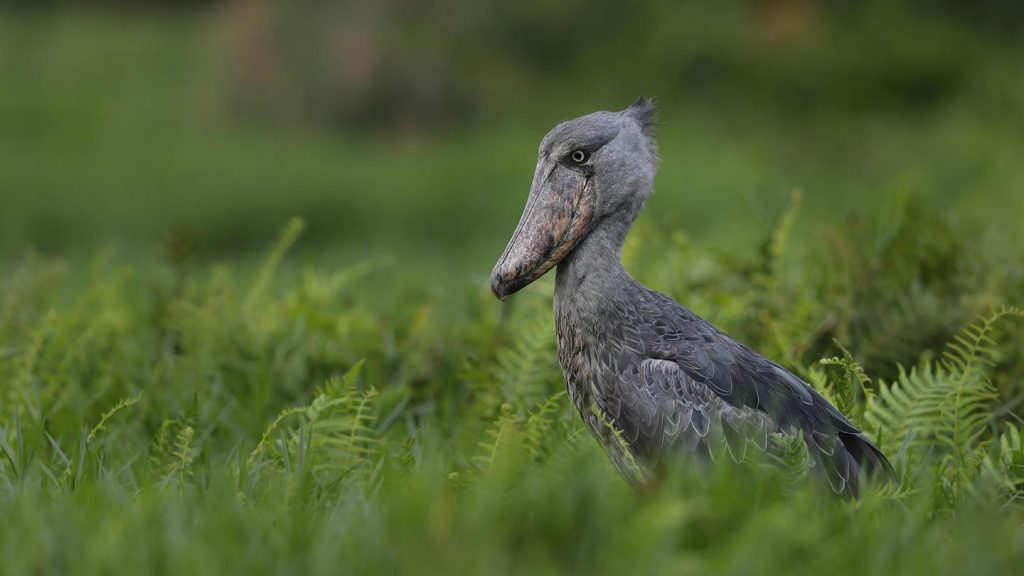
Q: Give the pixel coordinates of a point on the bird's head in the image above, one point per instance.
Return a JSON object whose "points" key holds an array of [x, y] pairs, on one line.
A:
{"points": [[594, 168]]}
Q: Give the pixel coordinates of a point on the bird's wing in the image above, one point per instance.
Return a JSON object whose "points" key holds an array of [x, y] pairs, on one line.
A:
{"points": [[735, 373], [660, 411], [668, 413], [707, 362]]}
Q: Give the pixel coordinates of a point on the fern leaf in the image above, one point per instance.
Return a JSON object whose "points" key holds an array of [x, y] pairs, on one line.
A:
{"points": [[540, 425], [1003, 466], [789, 453], [502, 435], [121, 405], [944, 407], [291, 232], [848, 381]]}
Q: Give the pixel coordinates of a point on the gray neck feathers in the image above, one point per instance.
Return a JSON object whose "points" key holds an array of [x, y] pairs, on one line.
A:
{"points": [[596, 260]]}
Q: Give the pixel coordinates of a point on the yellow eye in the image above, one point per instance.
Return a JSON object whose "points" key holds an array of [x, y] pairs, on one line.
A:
{"points": [[579, 156]]}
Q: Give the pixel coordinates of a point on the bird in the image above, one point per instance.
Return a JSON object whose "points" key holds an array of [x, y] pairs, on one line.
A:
{"points": [[652, 380]]}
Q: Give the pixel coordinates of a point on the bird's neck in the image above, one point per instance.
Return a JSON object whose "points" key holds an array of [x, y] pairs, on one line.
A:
{"points": [[595, 264]]}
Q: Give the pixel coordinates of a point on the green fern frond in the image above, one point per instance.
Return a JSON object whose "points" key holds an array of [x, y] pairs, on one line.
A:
{"points": [[618, 449], [847, 380], [345, 431], [972, 352], [338, 387], [523, 368], [166, 454], [183, 455], [944, 407], [775, 246], [19, 392], [106, 416], [928, 407], [291, 232], [261, 446], [161, 448], [789, 454], [945, 402], [337, 433], [502, 435], [540, 426], [174, 449], [1003, 466]]}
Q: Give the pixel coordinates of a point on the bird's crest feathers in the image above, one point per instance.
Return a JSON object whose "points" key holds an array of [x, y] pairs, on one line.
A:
{"points": [[645, 113]]}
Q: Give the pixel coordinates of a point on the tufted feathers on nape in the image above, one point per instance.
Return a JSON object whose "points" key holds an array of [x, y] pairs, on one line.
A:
{"points": [[645, 113]]}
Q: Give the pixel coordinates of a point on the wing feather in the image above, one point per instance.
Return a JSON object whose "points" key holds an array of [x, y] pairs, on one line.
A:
{"points": [[731, 393], [675, 412]]}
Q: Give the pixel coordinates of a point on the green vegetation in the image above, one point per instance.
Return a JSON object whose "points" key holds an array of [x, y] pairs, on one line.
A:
{"points": [[160, 420], [182, 394]]}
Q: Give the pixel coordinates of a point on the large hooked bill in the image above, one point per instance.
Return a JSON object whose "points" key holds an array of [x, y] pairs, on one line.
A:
{"points": [[558, 214]]}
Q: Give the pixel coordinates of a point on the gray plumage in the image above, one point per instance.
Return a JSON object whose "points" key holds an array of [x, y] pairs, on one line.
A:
{"points": [[633, 359]]}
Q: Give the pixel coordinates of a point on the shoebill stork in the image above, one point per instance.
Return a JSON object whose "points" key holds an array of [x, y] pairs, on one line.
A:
{"points": [[652, 380]]}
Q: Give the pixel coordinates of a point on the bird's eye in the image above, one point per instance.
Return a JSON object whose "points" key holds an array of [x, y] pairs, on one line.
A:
{"points": [[579, 156]]}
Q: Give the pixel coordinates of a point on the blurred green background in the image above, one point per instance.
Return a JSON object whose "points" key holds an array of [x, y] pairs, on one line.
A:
{"points": [[410, 128]]}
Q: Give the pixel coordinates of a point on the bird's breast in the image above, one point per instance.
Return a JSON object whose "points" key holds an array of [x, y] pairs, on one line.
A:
{"points": [[584, 350]]}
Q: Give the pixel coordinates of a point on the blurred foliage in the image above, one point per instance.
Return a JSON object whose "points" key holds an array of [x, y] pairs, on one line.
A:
{"points": [[412, 64], [405, 127]]}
